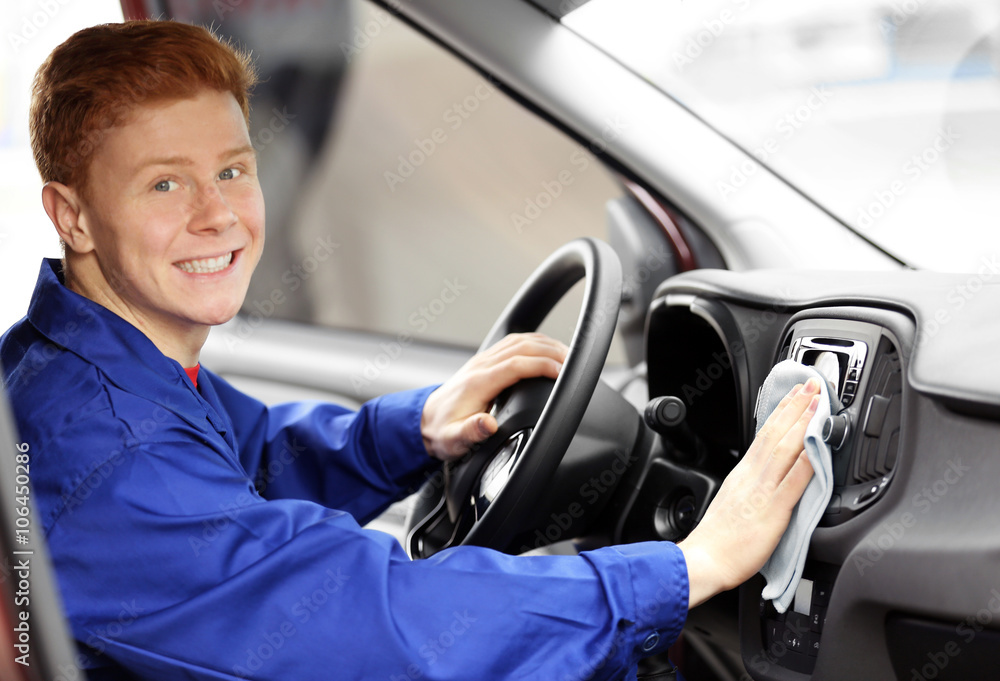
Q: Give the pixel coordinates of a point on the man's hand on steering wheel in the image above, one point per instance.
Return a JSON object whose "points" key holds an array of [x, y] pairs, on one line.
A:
{"points": [[454, 417], [487, 499]]}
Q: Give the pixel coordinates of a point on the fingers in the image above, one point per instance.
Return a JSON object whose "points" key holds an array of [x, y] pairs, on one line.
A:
{"points": [[783, 418], [514, 358], [453, 419], [789, 449], [527, 344], [789, 409], [461, 436], [750, 512], [768, 424], [480, 387], [794, 484], [508, 372]]}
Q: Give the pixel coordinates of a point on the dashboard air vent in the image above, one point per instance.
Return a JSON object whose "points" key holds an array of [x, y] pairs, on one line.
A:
{"points": [[880, 417]]}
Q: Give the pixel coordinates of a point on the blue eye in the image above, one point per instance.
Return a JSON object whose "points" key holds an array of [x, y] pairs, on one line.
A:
{"points": [[165, 186], [230, 174]]}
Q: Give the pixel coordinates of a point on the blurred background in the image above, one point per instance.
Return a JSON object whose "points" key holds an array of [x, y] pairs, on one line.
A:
{"points": [[401, 186], [29, 34], [885, 112], [407, 194]]}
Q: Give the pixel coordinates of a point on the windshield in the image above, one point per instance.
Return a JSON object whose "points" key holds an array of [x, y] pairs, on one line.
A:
{"points": [[885, 112]]}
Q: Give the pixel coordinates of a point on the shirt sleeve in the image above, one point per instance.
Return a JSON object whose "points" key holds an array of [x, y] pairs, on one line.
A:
{"points": [[356, 461], [175, 568]]}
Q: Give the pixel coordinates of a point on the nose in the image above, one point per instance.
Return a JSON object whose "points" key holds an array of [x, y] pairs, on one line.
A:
{"points": [[212, 212]]}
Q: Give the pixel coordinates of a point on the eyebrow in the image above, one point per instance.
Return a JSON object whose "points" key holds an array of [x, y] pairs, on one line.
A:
{"points": [[185, 161]]}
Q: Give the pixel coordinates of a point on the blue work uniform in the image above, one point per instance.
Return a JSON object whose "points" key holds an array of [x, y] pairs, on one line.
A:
{"points": [[198, 534]]}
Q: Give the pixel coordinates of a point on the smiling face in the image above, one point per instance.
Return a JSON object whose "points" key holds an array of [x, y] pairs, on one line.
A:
{"points": [[172, 223]]}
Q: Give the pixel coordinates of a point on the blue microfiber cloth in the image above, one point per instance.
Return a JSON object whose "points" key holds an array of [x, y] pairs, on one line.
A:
{"points": [[783, 569]]}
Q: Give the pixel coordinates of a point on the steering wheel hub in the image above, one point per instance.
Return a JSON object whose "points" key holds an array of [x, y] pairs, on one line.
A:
{"points": [[487, 496]]}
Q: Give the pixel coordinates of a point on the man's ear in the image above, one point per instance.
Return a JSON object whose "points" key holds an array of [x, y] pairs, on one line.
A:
{"points": [[64, 208]]}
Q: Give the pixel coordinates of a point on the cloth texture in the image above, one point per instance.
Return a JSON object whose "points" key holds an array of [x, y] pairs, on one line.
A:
{"points": [[198, 534], [783, 569]]}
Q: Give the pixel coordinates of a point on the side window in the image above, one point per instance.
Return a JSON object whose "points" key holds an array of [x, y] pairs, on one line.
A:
{"points": [[405, 192]]}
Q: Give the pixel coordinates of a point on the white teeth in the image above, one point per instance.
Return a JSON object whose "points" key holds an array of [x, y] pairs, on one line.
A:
{"points": [[206, 266]]}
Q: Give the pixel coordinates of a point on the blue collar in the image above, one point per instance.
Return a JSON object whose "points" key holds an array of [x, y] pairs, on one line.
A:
{"points": [[126, 357]]}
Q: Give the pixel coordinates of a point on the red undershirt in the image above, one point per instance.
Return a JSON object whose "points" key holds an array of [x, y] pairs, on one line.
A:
{"points": [[193, 373]]}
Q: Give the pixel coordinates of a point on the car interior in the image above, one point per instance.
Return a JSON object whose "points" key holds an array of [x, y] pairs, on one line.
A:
{"points": [[676, 306]]}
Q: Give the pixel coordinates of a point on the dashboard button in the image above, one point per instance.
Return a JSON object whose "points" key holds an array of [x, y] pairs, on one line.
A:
{"points": [[816, 618], [821, 594], [795, 640], [812, 644]]}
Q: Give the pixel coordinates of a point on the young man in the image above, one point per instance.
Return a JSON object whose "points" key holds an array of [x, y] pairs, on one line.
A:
{"points": [[194, 530]]}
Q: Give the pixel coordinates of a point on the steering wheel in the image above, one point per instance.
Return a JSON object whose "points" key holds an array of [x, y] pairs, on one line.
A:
{"points": [[485, 498]]}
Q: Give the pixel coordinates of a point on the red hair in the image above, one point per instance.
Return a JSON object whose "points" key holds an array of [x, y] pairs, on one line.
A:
{"points": [[95, 79]]}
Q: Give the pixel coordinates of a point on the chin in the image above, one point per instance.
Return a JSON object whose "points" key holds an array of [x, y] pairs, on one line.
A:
{"points": [[220, 315]]}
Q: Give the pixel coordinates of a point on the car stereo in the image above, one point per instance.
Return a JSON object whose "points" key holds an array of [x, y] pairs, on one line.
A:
{"points": [[862, 366], [839, 360]]}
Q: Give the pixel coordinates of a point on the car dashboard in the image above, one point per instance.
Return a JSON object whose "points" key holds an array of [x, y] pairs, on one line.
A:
{"points": [[903, 571]]}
